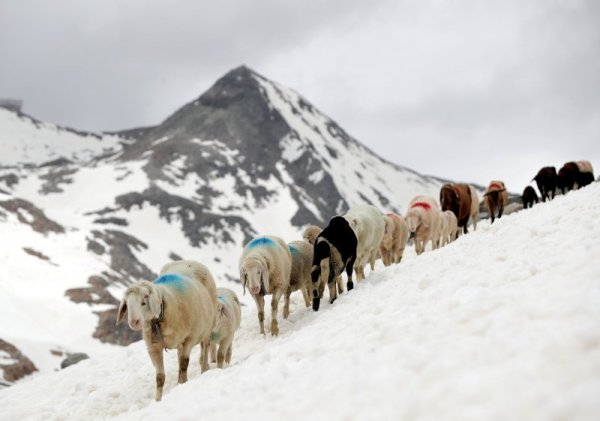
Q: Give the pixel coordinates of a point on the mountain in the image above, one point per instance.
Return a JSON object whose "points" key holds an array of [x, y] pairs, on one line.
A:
{"points": [[502, 321], [83, 215]]}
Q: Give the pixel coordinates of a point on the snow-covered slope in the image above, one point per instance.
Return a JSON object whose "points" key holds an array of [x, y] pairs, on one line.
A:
{"points": [[501, 324]]}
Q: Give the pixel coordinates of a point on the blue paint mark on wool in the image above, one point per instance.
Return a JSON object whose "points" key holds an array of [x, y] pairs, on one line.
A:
{"points": [[260, 242], [173, 280], [221, 298], [214, 336], [293, 250]]}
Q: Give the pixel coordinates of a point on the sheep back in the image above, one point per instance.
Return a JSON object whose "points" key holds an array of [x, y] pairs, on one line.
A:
{"points": [[194, 270], [273, 253], [302, 255]]}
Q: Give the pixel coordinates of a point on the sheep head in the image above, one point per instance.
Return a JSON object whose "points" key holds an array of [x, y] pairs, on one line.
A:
{"points": [[142, 303], [414, 219], [254, 274]]}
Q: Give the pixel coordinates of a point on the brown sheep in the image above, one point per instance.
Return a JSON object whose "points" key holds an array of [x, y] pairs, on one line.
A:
{"points": [[495, 197], [457, 198]]}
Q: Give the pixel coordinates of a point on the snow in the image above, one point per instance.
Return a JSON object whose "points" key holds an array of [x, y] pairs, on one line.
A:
{"points": [[501, 324], [356, 171], [22, 140]]}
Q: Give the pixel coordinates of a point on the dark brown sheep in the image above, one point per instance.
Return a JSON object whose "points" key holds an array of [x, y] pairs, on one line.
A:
{"points": [[457, 198], [529, 196], [567, 177], [495, 198], [546, 182]]}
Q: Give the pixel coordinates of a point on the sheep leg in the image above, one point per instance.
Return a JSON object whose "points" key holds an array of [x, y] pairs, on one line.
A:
{"points": [[500, 210], [332, 292], [228, 354], [183, 355], [213, 353], [306, 294], [372, 259], [340, 284], [277, 293], [156, 355], [224, 347], [260, 306], [204, 349], [349, 268], [286, 305]]}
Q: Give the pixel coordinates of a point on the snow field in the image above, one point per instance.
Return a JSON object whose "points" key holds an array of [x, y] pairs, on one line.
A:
{"points": [[501, 324]]}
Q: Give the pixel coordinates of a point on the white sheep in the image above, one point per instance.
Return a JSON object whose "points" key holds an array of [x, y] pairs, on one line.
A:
{"points": [[311, 233], [423, 219], [265, 268], [173, 312], [367, 223], [449, 228], [394, 239], [227, 321], [302, 255]]}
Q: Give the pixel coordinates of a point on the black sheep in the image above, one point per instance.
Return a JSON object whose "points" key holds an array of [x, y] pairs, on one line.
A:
{"points": [[546, 182], [337, 243], [567, 177], [529, 196]]}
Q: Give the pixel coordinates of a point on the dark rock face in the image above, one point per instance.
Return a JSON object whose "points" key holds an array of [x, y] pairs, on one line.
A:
{"points": [[29, 214], [17, 365], [235, 111]]}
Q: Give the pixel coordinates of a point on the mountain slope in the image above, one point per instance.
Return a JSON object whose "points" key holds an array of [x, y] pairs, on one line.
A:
{"points": [[502, 321], [249, 156]]}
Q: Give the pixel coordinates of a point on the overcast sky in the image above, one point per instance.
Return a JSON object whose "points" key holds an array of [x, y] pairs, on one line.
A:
{"points": [[468, 90]]}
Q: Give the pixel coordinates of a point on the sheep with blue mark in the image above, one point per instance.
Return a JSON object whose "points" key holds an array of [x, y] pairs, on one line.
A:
{"points": [[173, 312], [265, 267], [302, 254], [227, 321]]}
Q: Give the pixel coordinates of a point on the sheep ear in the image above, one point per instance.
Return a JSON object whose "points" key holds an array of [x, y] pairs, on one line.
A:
{"points": [[243, 279], [122, 310], [154, 301]]}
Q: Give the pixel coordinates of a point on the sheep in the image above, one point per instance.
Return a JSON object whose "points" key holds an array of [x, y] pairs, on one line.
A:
{"points": [[529, 197], [302, 254], [495, 197], [367, 223], [474, 207], [334, 251], [394, 239], [265, 267], [567, 177], [423, 219], [174, 311], [311, 233], [449, 227], [586, 173], [227, 321], [457, 198], [546, 182]]}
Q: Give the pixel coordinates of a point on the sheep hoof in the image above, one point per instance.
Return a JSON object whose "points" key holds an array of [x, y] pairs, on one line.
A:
{"points": [[274, 329], [350, 285], [316, 302], [286, 313]]}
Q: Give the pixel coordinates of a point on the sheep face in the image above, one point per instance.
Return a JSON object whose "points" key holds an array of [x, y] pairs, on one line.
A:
{"points": [[254, 276], [141, 302], [413, 221]]}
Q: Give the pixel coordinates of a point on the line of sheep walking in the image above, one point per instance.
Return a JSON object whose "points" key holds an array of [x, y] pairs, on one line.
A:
{"points": [[183, 308]]}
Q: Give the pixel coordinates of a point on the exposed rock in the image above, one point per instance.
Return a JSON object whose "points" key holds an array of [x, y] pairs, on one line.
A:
{"points": [[9, 179], [54, 178], [35, 253], [29, 214], [13, 363], [73, 359], [108, 331], [115, 221]]}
